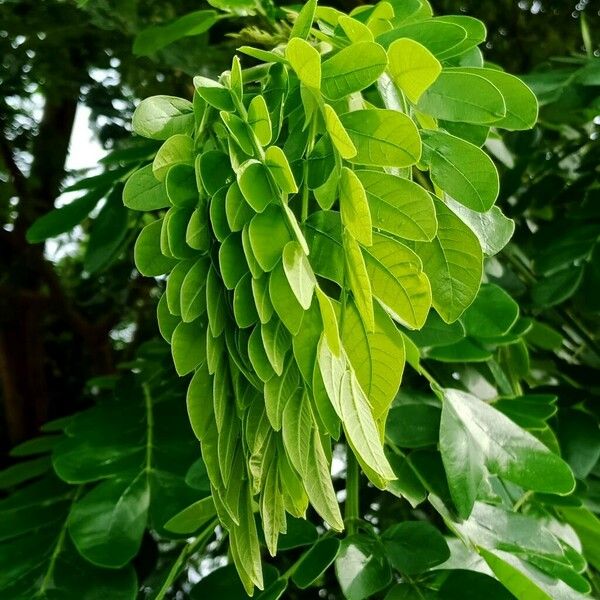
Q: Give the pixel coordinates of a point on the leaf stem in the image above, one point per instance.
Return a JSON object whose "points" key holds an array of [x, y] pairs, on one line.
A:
{"points": [[58, 547], [352, 509]]}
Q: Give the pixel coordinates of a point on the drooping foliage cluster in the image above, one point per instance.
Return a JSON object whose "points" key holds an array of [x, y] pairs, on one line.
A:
{"points": [[319, 220]]}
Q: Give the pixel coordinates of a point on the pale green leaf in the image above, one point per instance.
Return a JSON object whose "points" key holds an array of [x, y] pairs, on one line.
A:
{"points": [[398, 280], [399, 206], [352, 69], [299, 273], [339, 136], [412, 67], [382, 137], [306, 62], [354, 208]]}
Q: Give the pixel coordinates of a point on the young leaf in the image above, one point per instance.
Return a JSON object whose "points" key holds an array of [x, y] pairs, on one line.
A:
{"points": [[354, 207], [214, 93], [383, 138], [259, 119], [352, 69], [377, 356], [358, 280], [398, 281], [412, 67], [306, 62], [304, 20], [299, 273], [255, 184], [399, 206], [339, 136]]}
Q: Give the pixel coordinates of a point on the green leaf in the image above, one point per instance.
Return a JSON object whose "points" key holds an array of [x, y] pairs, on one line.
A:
{"points": [[352, 407], [492, 228], [160, 117], [358, 281], [177, 149], [255, 184], [524, 581], [471, 585], [439, 37], [306, 62], [192, 297], [259, 119], [352, 69], [304, 20], [414, 547], [492, 313], [361, 567], [243, 306], [461, 169], [436, 332], [377, 356], [151, 39], [319, 486], [453, 262], [313, 563], [354, 208], [463, 96], [276, 342], [475, 437], [190, 519], [279, 168], [232, 262], [398, 281], [413, 425], [355, 30], [63, 219], [188, 346], [521, 103], [329, 320], [215, 93], [181, 186], [143, 191], [339, 136], [299, 273], [412, 67], [268, 235], [148, 258], [238, 211], [240, 132], [383, 138], [196, 233], [213, 169], [399, 206], [107, 524], [284, 300]]}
